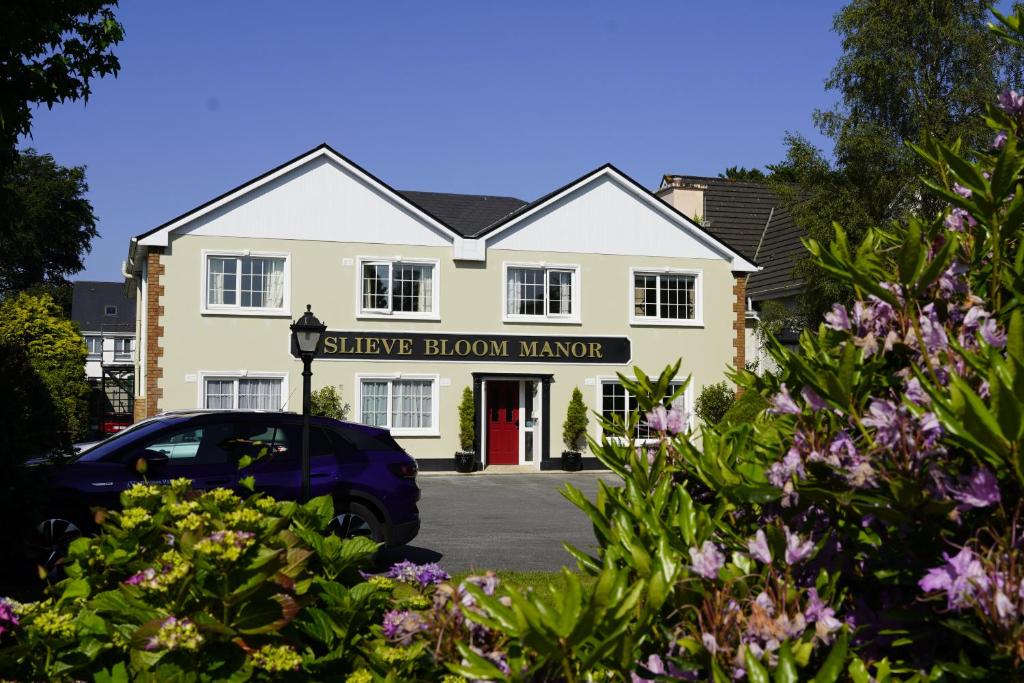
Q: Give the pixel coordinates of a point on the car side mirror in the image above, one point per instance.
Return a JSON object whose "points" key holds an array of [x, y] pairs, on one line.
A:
{"points": [[151, 458]]}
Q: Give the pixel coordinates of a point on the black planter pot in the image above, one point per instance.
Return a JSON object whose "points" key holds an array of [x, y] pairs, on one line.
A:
{"points": [[465, 461], [572, 461]]}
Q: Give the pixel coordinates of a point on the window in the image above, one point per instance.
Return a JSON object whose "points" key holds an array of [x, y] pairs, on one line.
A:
{"points": [[670, 297], [616, 401], [548, 292], [110, 311], [405, 405], [208, 444], [94, 346], [246, 283], [123, 348], [243, 393], [407, 289]]}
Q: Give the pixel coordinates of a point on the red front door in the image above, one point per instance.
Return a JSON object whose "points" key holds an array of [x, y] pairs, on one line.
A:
{"points": [[502, 423]]}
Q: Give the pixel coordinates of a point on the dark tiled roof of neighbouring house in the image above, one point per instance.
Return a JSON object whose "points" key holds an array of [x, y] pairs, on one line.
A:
{"points": [[749, 217], [466, 214], [89, 307]]}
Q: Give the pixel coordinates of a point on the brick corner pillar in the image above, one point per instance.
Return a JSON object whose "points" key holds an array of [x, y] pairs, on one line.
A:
{"points": [[154, 331], [739, 324]]}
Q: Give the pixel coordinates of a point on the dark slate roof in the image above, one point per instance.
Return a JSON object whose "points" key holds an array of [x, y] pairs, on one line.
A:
{"points": [[748, 216], [89, 300], [466, 214]]}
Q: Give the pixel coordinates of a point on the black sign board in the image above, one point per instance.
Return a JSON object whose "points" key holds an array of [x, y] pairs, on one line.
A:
{"points": [[431, 346]]}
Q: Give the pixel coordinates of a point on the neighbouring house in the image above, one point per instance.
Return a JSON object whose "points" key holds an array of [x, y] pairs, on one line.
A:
{"points": [[106, 318], [750, 217], [427, 293]]}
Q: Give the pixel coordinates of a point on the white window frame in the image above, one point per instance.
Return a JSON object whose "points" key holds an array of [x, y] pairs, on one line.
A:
{"points": [[698, 297], [611, 379], [130, 355], [236, 375], [576, 299], [435, 380], [89, 355], [237, 309], [388, 313]]}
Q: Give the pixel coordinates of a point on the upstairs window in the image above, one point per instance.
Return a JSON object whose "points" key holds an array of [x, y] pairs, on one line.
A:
{"points": [[400, 288], [666, 297], [123, 348], [246, 283], [94, 346], [542, 293]]}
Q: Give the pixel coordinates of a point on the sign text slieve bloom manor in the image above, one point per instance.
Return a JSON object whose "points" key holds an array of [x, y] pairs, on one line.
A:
{"points": [[478, 347]]}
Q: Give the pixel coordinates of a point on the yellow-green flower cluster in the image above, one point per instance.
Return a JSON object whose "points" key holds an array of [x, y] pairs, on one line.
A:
{"points": [[133, 517], [452, 678], [396, 654], [276, 658], [382, 582], [171, 569], [243, 517], [53, 623], [139, 493], [183, 508], [222, 496], [226, 545], [176, 633], [193, 521], [416, 602], [181, 484], [266, 504], [360, 676]]}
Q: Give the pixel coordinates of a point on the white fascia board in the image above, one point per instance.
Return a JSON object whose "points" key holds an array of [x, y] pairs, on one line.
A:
{"points": [[161, 238], [737, 262]]}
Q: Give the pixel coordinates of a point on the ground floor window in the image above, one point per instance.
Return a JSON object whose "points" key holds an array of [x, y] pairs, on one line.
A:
{"points": [[617, 402], [406, 405], [242, 393]]}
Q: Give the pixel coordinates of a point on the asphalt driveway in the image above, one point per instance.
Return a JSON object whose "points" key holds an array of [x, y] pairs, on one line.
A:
{"points": [[500, 521]]}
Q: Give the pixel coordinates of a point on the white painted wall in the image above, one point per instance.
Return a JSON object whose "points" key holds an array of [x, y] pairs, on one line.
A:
{"points": [[322, 201], [606, 217]]}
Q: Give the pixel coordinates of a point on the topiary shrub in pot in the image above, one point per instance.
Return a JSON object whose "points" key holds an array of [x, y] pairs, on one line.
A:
{"points": [[573, 430], [465, 459]]}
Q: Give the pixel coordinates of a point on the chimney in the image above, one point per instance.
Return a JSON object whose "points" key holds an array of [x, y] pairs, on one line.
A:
{"points": [[687, 196]]}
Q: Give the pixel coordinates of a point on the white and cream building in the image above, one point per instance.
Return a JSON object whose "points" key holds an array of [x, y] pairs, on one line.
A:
{"points": [[425, 294]]}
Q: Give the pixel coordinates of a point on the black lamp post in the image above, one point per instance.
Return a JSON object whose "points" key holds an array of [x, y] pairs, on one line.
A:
{"points": [[306, 333]]}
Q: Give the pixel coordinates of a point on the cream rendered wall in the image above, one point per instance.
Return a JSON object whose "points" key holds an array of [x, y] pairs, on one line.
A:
{"points": [[471, 300]]}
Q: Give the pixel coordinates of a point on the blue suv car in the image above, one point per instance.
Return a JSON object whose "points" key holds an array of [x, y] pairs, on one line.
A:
{"points": [[370, 477]]}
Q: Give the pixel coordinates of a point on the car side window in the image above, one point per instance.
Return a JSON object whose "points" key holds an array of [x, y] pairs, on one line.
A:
{"points": [[320, 441], [264, 441], [207, 444]]}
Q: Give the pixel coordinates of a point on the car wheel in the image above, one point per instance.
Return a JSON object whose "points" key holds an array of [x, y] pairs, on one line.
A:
{"points": [[52, 538], [358, 520]]}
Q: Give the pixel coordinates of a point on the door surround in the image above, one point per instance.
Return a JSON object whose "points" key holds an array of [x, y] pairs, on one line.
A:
{"points": [[480, 406]]}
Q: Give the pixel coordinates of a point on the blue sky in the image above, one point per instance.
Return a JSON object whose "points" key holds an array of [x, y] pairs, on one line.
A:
{"points": [[512, 98]]}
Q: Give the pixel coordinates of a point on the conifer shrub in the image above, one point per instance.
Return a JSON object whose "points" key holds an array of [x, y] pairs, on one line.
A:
{"points": [[467, 422], [575, 426]]}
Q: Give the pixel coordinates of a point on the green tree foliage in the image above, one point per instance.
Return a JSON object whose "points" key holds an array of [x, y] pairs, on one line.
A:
{"points": [[714, 402], [327, 402], [575, 425], [50, 51], [909, 69], [467, 421], [748, 407], [744, 173], [47, 223], [56, 351]]}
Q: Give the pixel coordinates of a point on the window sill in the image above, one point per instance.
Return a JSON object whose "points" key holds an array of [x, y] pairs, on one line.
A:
{"points": [[540, 320], [414, 432], [249, 312], [362, 315], [658, 322]]}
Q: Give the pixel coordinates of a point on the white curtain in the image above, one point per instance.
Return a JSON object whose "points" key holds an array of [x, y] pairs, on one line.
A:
{"points": [[425, 298], [220, 394], [374, 404], [411, 404], [273, 296], [516, 279], [259, 394], [221, 283]]}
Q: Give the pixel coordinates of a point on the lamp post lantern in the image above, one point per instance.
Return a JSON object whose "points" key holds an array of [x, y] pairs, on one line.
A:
{"points": [[306, 333]]}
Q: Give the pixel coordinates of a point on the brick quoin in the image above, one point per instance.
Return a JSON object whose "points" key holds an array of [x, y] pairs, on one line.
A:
{"points": [[154, 334], [739, 324]]}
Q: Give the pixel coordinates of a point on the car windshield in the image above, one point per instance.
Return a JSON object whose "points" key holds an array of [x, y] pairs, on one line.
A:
{"points": [[100, 450]]}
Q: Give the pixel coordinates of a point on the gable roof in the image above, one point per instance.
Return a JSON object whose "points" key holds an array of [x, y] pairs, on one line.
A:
{"points": [[466, 214], [159, 235], [89, 300], [740, 261], [750, 216]]}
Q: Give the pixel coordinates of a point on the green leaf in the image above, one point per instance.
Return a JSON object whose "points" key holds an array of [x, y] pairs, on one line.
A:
{"points": [[833, 666], [756, 673], [116, 674], [785, 671]]}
